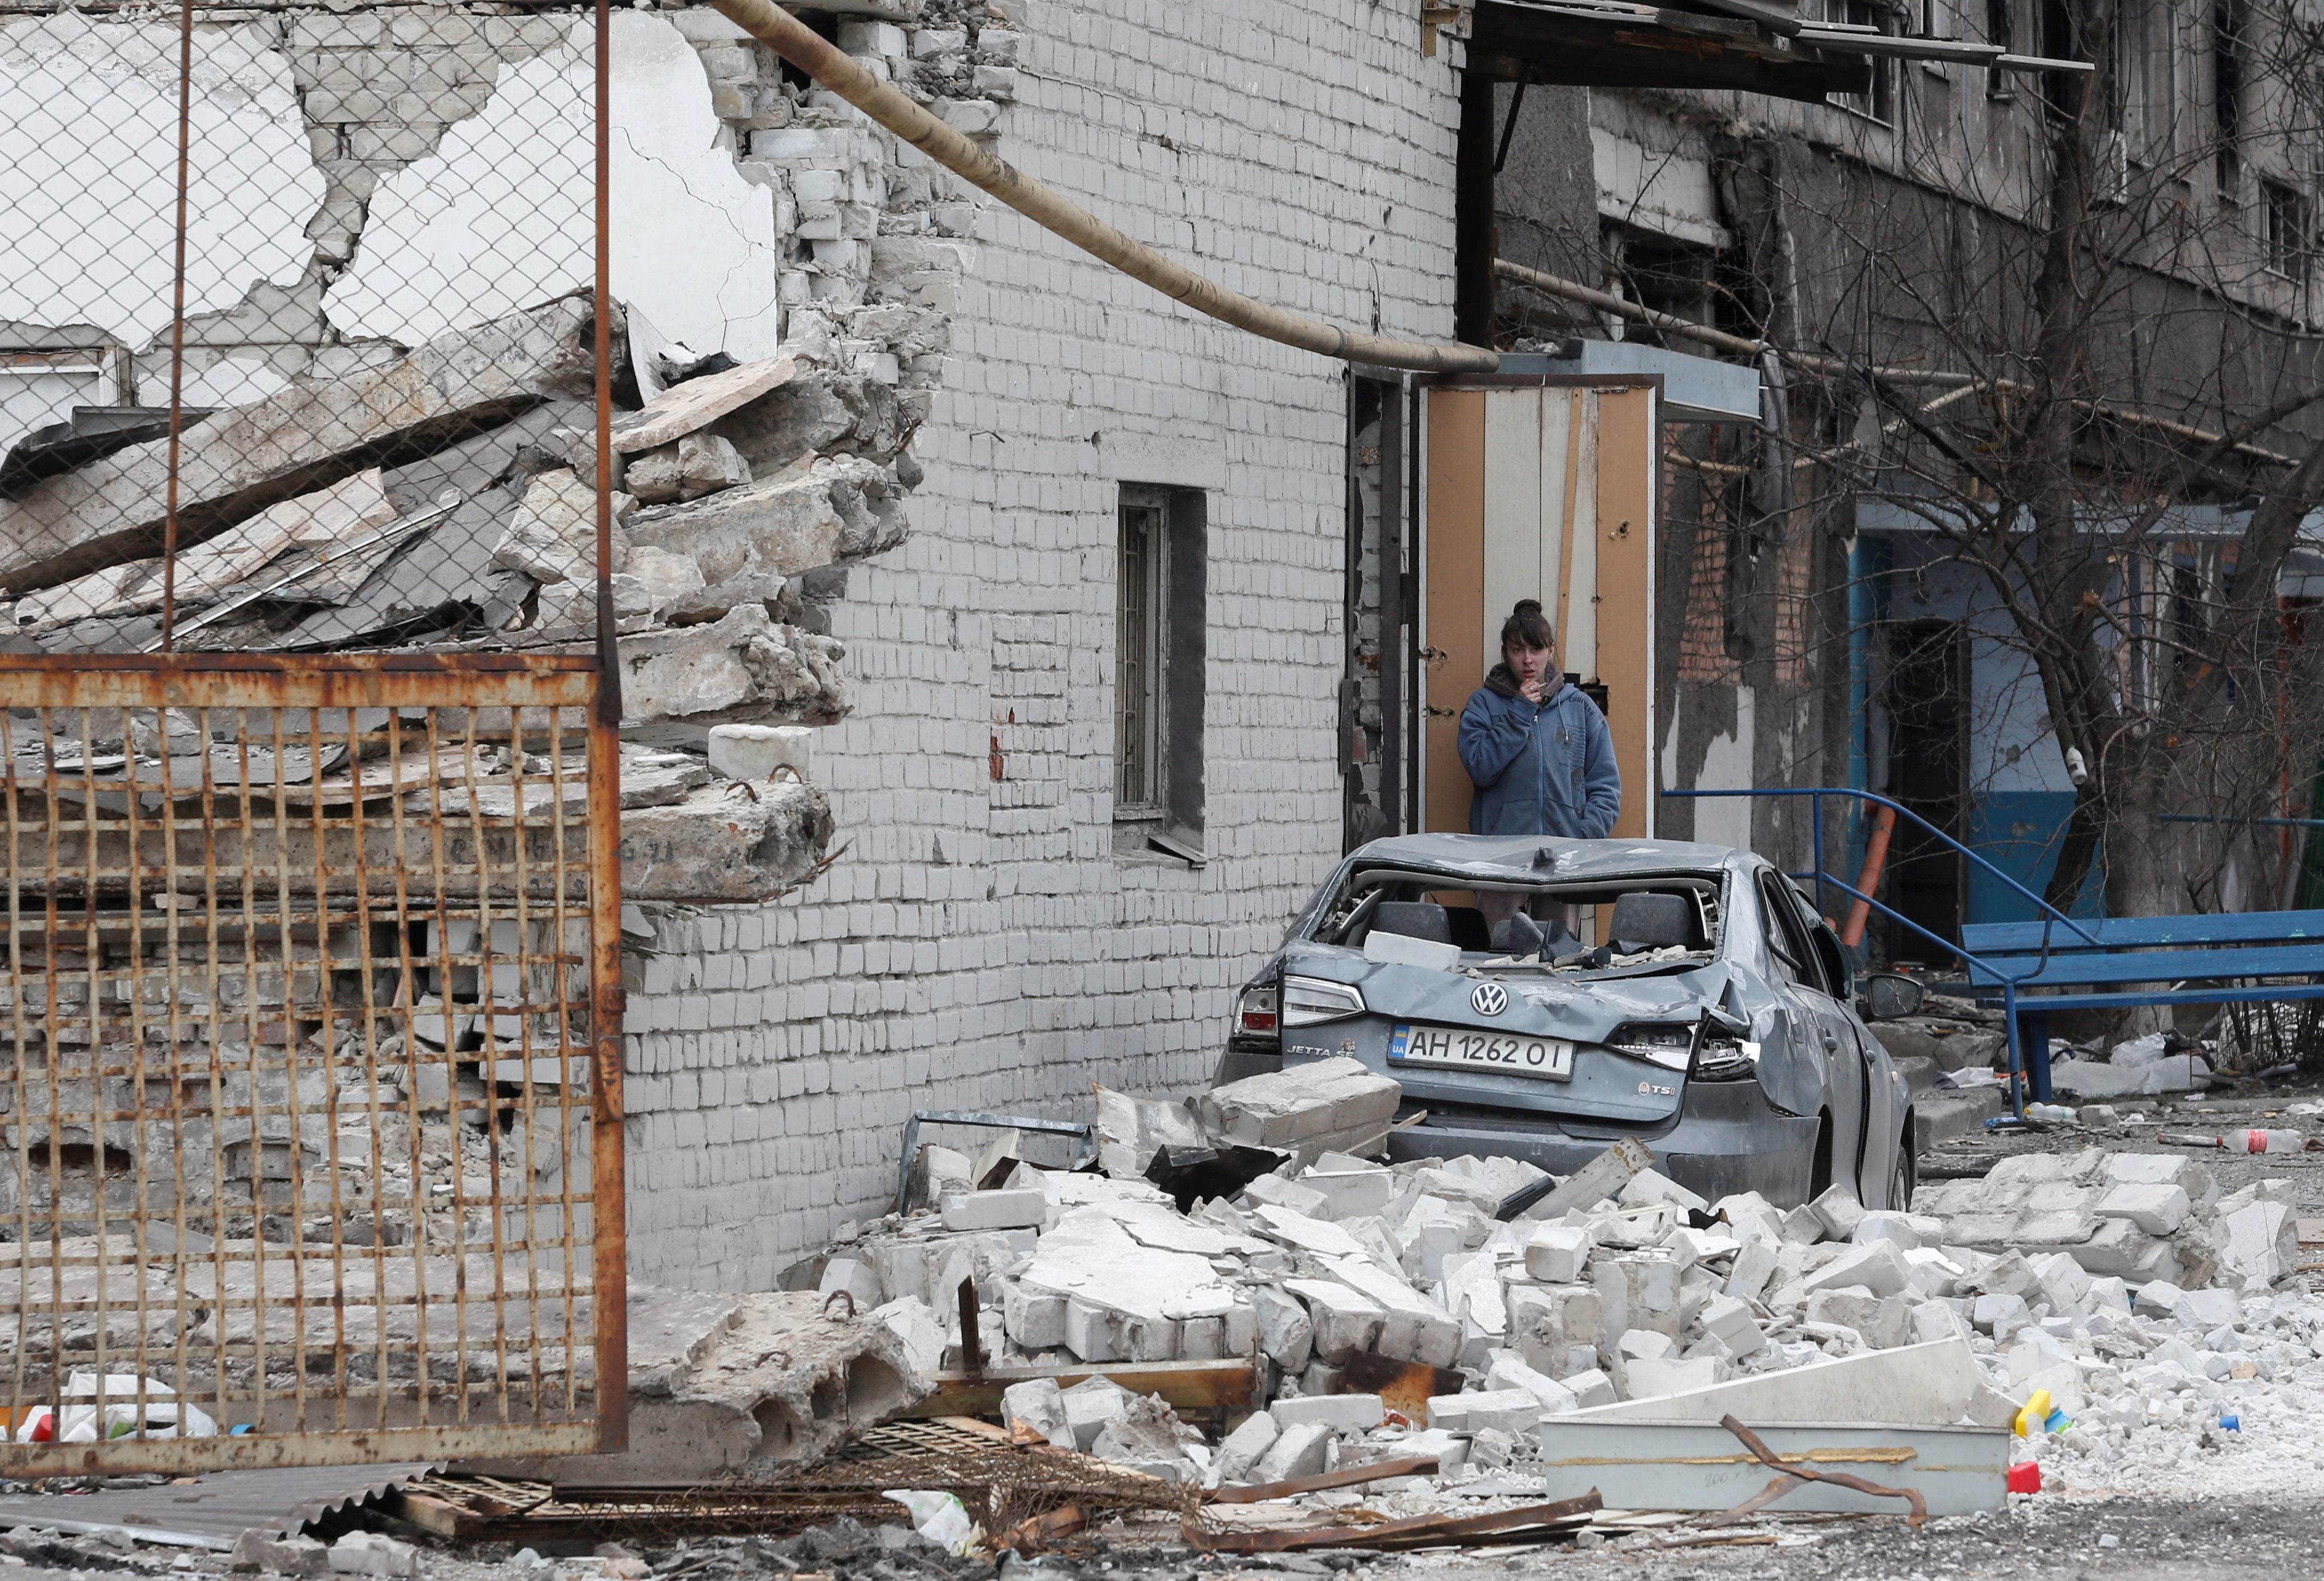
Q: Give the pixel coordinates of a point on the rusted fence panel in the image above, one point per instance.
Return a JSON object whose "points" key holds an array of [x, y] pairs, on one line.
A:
{"points": [[309, 1061], [309, 1003]]}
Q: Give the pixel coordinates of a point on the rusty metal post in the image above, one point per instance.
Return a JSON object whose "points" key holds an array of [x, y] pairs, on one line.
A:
{"points": [[608, 1180]]}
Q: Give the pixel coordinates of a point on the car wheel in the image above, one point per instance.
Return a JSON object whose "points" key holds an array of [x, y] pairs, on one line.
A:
{"points": [[1904, 1176]]}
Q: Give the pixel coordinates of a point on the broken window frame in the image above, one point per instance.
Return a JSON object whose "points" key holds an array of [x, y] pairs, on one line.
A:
{"points": [[1878, 103]]}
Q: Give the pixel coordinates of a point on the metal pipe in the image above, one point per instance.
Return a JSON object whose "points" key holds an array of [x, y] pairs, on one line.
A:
{"points": [[1736, 344], [795, 42], [1875, 857]]}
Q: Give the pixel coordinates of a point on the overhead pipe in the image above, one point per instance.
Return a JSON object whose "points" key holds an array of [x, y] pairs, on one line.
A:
{"points": [[1960, 384], [797, 43]]}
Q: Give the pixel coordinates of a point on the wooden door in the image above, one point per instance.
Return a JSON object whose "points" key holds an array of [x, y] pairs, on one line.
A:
{"points": [[1511, 473]]}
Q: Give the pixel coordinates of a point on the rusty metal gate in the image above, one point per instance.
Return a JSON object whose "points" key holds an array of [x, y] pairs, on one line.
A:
{"points": [[312, 1018], [310, 1144]]}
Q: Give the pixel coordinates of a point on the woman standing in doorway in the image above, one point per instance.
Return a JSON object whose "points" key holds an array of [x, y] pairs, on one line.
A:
{"points": [[1537, 749]]}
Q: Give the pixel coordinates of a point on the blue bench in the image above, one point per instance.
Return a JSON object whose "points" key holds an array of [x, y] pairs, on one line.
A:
{"points": [[2039, 966]]}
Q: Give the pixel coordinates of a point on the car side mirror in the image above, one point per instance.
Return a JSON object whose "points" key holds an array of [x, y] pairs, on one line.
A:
{"points": [[1890, 995]]}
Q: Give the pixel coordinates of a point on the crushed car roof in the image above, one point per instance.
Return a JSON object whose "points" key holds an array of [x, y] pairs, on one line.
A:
{"points": [[1513, 854]]}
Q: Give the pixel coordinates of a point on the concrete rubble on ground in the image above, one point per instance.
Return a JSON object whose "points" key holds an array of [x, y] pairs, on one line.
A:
{"points": [[2124, 1284]]}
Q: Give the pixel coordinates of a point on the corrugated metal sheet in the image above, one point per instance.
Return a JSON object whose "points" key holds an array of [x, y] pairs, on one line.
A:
{"points": [[214, 1510]]}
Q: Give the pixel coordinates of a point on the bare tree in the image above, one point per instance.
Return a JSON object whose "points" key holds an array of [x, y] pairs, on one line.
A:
{"points": [[2057, 352]]}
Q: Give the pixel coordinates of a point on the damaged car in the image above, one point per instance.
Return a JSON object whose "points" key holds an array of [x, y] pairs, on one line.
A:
{"points": [[1544, 998]]}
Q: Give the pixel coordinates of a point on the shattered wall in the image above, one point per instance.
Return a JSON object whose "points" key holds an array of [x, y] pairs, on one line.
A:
{"points": [[979, 944], [977, 941], [390, 242]]}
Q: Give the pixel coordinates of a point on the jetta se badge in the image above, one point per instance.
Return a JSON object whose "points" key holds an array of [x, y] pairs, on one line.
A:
{"points": [[1489, 998]]}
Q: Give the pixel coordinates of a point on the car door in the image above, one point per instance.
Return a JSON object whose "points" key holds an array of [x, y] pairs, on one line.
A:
{"points": [[1822, 1018], [1884, 1118]]}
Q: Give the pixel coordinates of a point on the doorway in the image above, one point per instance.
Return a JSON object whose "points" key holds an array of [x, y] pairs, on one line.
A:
{"points": [[1926, 697]]}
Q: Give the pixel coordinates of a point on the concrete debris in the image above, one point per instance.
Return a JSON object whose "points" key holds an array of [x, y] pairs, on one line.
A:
{"points": [[697, 464], [748, 539], [552, 539], [372, 1553], [760, 482], [323, 520], [683, 409], [259, 1549], [743, 667], [303, 438], [1333, 1105], [2087, 1276], [724, 1385]]}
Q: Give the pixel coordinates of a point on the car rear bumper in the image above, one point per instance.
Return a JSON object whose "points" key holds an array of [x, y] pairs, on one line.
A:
{"points": [[1727, 1138]]}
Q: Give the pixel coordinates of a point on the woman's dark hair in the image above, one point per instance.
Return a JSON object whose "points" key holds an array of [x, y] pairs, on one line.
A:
{"points": [[1526, 627]]}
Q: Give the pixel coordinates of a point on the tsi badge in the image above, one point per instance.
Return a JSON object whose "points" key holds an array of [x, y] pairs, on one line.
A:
{"points": [[1647, 1088], [1489, 998]]}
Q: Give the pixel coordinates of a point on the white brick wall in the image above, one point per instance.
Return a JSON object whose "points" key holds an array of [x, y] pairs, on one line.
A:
{"points": [[979, 946]]}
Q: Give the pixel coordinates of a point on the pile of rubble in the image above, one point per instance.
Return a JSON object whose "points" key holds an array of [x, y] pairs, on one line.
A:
{"points": [[446, 501], [2087, 1276]]}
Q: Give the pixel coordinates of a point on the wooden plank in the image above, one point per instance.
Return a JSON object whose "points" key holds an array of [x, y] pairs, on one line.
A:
{"points": [[1404, 1387], [433, 1515], [2238, 927], [1454, 548], [1221, 1385], [1627, 469]]}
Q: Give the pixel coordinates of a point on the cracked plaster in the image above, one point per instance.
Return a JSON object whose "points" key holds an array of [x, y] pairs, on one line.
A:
{"points": [[500, 216], [89, 238]]}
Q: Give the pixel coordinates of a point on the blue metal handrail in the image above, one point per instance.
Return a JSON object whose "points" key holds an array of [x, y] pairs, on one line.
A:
{"points": [[2023, 1069]]}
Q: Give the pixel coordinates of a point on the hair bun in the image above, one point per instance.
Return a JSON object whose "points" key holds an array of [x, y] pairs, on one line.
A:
{"points": [[1527, 606]]}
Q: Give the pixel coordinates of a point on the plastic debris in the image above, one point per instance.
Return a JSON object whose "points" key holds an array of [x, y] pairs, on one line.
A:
{"points": [[941, 1518]]}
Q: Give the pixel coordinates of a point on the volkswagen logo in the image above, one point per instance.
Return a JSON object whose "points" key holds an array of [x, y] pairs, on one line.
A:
{"points": [[1489, 998]]}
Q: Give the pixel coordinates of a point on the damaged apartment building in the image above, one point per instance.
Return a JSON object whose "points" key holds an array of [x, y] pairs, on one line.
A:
{"points": [[1820, 622]]}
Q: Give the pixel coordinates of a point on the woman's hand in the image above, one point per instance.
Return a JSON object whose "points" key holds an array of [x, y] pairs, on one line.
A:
{"points": [[1534, 690]]}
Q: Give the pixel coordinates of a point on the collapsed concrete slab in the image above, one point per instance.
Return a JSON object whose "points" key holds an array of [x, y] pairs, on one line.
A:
{"points": [[323, 520], [741, 668], [300, 440], [725, 841], [727, 1383], [747, 538]]}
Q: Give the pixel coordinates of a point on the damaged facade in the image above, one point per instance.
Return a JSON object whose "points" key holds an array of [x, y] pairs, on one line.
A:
{"points": [[991, 928], [1818, 628]]}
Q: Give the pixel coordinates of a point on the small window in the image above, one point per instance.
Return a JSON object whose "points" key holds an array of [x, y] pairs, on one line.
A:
{"points": [[1159, 663], [2287, 230], [1138, 664], [2000, 28], [1877, 101]]}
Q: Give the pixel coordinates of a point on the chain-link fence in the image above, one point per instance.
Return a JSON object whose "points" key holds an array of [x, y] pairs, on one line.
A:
{"points": [[301, 354], [309, 1000]]}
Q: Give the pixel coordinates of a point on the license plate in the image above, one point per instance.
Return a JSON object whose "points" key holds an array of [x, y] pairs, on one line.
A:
{"points": [[1481, 1051]]}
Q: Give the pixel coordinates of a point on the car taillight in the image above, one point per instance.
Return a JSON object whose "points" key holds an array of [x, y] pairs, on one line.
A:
{"points": [[1665, 1043], [1726, 1058], [1256, 1010], [1307, 1000]]}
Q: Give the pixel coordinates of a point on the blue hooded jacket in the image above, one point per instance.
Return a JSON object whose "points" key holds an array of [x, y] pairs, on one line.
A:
{"points": [[1542, 768]]}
